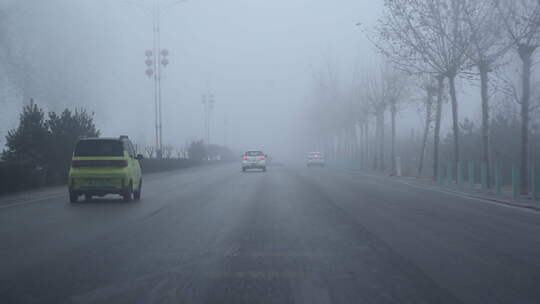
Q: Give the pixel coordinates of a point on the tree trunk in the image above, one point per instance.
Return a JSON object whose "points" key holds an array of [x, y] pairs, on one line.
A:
{"points": [[484, 92], [455, 120], [367, 153], [381, 141], [352, 145], [437, 131], [525, 53], [376, 139], [356, 152], [393, 111], [361, 145], [429, 101]]}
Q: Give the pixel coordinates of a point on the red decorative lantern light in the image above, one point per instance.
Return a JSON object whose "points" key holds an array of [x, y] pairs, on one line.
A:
{"points": [[148, 53], [149, 72], [164, 52], [164, 61], [149, 62]]}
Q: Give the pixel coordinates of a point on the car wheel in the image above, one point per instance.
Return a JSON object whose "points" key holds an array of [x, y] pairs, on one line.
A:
{"points": [[73, 197], [127, 194], [137, 194], [243, 169], [264, 169], [87, 197]]}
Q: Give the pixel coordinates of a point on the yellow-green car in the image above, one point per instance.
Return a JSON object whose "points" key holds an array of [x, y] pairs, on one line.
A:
{"points": [[102, 166]]}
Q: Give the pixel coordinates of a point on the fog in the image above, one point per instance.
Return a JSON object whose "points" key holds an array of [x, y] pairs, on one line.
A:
{"points": [[257, 57]]}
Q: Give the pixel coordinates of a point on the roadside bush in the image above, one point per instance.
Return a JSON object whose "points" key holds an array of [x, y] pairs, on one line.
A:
{"points": [[18, 176], [39, 150], [197, 151], [151, 165]]}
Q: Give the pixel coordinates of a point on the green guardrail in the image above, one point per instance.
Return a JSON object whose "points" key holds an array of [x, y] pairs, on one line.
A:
{"points": [[449, 174], [459, 178], [483, 176], [472, 181], [534, 182], [498, 179], [515, 181]]}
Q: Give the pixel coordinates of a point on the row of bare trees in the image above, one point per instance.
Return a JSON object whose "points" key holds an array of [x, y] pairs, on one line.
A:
{"points": [[349, 122], [428, 45]]}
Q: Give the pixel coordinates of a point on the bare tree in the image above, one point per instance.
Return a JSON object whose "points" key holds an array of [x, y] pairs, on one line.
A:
{"points": [[430, 88], [521, 21], [427, 37], [362, 112], [396, 84], [168, 151], [149, 151], [327, 111], [488, 46], [376, 97]]}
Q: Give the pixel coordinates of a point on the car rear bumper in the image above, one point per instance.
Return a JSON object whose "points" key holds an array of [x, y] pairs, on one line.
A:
{"points": [[99, 191], [249, 165], [89, 184], [254, 166]]}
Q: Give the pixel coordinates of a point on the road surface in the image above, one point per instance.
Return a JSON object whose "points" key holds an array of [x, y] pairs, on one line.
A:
{"points": [[290, 235]]}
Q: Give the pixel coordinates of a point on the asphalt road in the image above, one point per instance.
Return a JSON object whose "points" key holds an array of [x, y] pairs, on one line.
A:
{"points": [[290, 235]]}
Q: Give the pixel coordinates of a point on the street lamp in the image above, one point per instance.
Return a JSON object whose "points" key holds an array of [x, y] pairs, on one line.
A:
{"points": [[154, 62], [156, 59], [208, 106]]}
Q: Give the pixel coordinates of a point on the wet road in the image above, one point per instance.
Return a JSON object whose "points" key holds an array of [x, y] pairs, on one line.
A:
{"points": [[290, 235]]}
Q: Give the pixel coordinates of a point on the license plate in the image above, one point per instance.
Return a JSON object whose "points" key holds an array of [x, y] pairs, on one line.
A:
{"points": [[98, 182]]}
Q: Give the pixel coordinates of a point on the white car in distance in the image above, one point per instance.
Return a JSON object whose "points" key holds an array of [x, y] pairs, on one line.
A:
{"points": [[315, 159], [254, 160]]}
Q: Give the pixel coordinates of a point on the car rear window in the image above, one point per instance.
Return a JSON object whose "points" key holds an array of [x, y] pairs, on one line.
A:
{"points": [[99, 148], [254, 153]]}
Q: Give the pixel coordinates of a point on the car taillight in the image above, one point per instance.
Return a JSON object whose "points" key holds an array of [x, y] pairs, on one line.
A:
{"points": [[245, 158], [316, 156], [262, 158]]}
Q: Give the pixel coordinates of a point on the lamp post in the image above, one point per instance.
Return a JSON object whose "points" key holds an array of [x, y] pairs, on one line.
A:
{"points": [[208, 106], [156, 59], [155, 63]]}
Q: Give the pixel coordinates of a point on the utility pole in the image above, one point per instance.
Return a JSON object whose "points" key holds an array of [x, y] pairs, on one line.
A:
{"points": [[208, 106], [225, 126], [156, 60]]}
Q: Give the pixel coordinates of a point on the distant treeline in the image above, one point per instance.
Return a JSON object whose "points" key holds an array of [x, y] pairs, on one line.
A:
{"points": [[38, 152], [426, 49]]}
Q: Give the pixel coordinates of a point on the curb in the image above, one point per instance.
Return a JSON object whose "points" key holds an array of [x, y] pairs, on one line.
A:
{"points": [[434, 187]]}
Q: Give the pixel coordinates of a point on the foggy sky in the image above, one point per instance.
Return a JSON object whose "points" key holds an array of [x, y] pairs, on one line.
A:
{"points": [[255, 56]]}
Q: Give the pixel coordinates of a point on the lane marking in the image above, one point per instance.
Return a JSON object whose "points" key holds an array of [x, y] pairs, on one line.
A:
{"points": [[464, 196], [150, 177], [32, 201]]}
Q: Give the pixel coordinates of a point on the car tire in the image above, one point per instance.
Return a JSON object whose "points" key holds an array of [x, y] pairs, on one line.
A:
{"points": [[87, 197], [128, 193], [73, 197], [264, 169], [243, 169], [137, 194]]}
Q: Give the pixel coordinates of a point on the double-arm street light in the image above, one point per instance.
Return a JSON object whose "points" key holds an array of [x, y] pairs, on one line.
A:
{"points": [[208, 105], [156, 59]]}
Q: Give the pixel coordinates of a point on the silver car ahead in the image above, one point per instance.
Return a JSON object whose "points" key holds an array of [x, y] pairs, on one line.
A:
{"points": [[254, 160], [315, 159]]}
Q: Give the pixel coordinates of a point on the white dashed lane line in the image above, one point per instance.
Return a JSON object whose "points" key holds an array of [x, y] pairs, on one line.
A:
{"points": [[30, 201]]}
